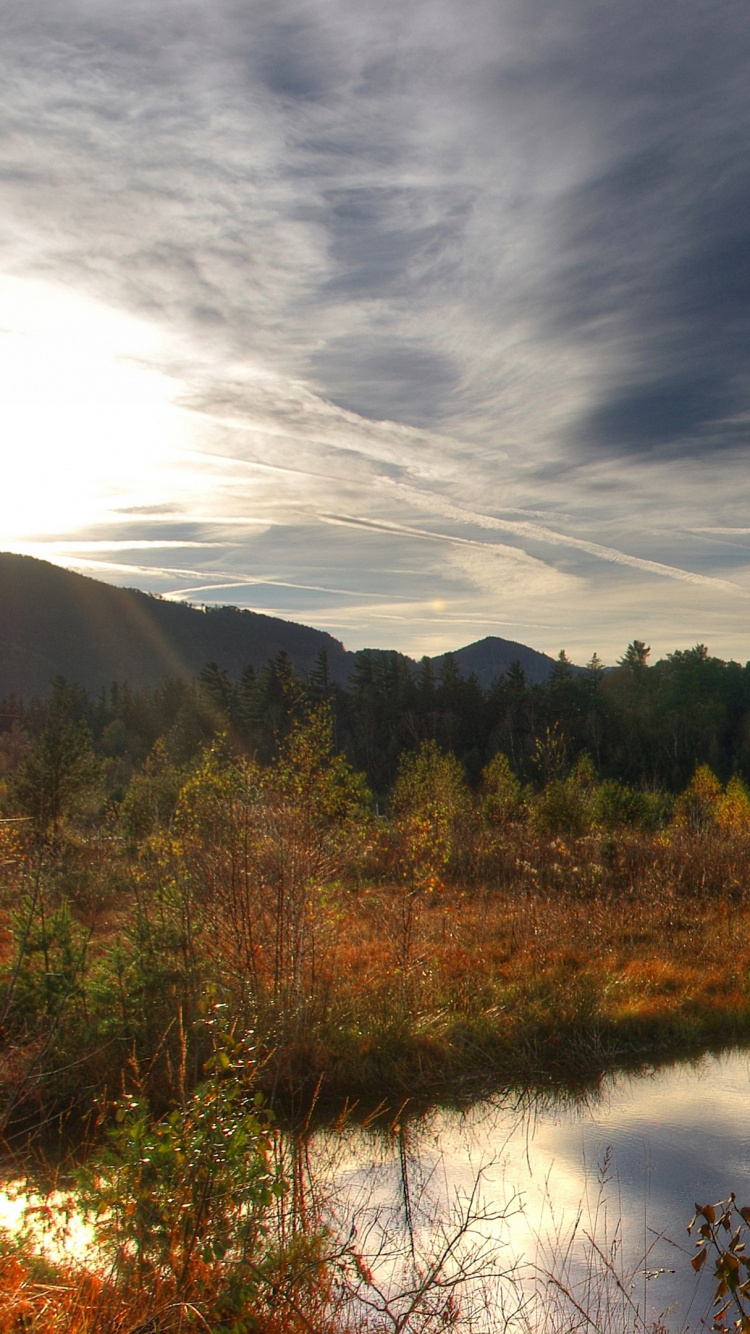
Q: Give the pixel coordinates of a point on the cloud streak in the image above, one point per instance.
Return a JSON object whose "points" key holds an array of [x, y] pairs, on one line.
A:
{"points": [[539, 533]]}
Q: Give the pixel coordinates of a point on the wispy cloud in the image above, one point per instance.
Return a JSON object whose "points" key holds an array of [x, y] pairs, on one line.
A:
{"points": [[448, 270], [539, 533]]}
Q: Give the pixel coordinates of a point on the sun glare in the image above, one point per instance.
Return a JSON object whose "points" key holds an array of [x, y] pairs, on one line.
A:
{"points": [[88, 422]]}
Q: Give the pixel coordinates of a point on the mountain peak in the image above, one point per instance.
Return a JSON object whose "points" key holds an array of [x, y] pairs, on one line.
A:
{"points": [[491, 657]]}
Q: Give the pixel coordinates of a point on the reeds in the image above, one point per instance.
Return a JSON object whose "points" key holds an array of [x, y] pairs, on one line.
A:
{"points": [[530, 955]]}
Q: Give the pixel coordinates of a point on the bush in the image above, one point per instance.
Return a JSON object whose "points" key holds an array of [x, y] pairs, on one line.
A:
{"points": [[705, 804], [432, 807], [733, 806], [182, 1204], [696, 807], [151, 798], [500, 792], [57, 774], [567, 805], [617, 806]]}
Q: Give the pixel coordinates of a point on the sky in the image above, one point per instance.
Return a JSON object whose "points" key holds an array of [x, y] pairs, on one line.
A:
{"points": [[416, 322]]}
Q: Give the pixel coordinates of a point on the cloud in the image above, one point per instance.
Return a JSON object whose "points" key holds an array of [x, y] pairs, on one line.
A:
{"points": [[386, 378], [445, 270]]}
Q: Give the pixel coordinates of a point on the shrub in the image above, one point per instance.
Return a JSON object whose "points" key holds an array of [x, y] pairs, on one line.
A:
{"points": [[617, 806], [190, 1210], [431, 804], [695, 808], [261, 846], [57, 774], [566, 805], [733, 806], [500, 792], [151, 798]]}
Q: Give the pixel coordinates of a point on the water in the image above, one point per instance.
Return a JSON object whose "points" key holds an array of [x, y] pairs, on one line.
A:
{"points": [[623, 1167], [608, 1181]]}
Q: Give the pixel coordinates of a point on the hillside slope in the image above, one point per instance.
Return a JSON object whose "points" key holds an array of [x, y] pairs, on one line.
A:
{"points": [[54, 622], [491, 657], [57, 623]]}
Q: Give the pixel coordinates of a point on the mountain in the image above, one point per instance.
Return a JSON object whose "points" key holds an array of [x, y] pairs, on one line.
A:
{"points": [[54, 622], [57, 623], [491, 657]]}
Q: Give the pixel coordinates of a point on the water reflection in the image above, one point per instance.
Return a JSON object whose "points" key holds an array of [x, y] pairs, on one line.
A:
{"points": [[618, 1172], [547, 1201], [52, 1222]]}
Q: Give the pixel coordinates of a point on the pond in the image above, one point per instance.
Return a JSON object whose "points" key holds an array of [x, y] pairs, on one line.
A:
{"points": [[580, 1202], [597, 1191]]}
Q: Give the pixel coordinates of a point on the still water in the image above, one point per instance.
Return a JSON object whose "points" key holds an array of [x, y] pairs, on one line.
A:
{"points": [[618, 1172], [595, 1191]]}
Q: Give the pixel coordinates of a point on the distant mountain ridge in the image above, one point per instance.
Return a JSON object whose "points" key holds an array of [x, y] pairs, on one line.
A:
{"points": [[54, 622]]}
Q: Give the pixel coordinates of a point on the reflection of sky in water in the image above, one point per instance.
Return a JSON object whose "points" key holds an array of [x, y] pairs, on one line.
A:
{"points": [[51, 1221], [628, 1164], [633, 1161]]}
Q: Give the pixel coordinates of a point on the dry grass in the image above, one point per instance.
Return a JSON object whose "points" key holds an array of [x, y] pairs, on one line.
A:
{"points": [[547, 957], [573, 960]]}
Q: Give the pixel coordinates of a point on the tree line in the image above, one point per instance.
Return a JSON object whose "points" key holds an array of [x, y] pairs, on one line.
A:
{"points": [[646, 726]]}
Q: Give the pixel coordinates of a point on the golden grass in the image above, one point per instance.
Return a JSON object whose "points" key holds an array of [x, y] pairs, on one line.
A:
{"points": [[626, 956], [544, 956]]}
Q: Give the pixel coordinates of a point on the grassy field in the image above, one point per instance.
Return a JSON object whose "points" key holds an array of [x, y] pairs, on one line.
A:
{"points": [[555, 959], [566, 964]]}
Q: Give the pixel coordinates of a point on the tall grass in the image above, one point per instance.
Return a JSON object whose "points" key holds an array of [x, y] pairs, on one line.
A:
{"points": [[472, 939]]}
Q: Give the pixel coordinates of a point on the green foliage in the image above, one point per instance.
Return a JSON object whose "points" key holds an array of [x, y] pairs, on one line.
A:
{"points": [[313, 776], [46, 968], [617, 806], [42, 993], [149, 977], [635, 657], [57, 773], [310, 787], [184, 1206], [567, 806], [431, 803], [500, 792], [562, 808], [216, 794], [647, 727], [152, 795]]}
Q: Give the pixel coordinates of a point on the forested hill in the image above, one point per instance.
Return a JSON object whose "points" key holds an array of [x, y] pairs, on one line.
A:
{"points": [[490, 658], [139, 669], [57, 623]]}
